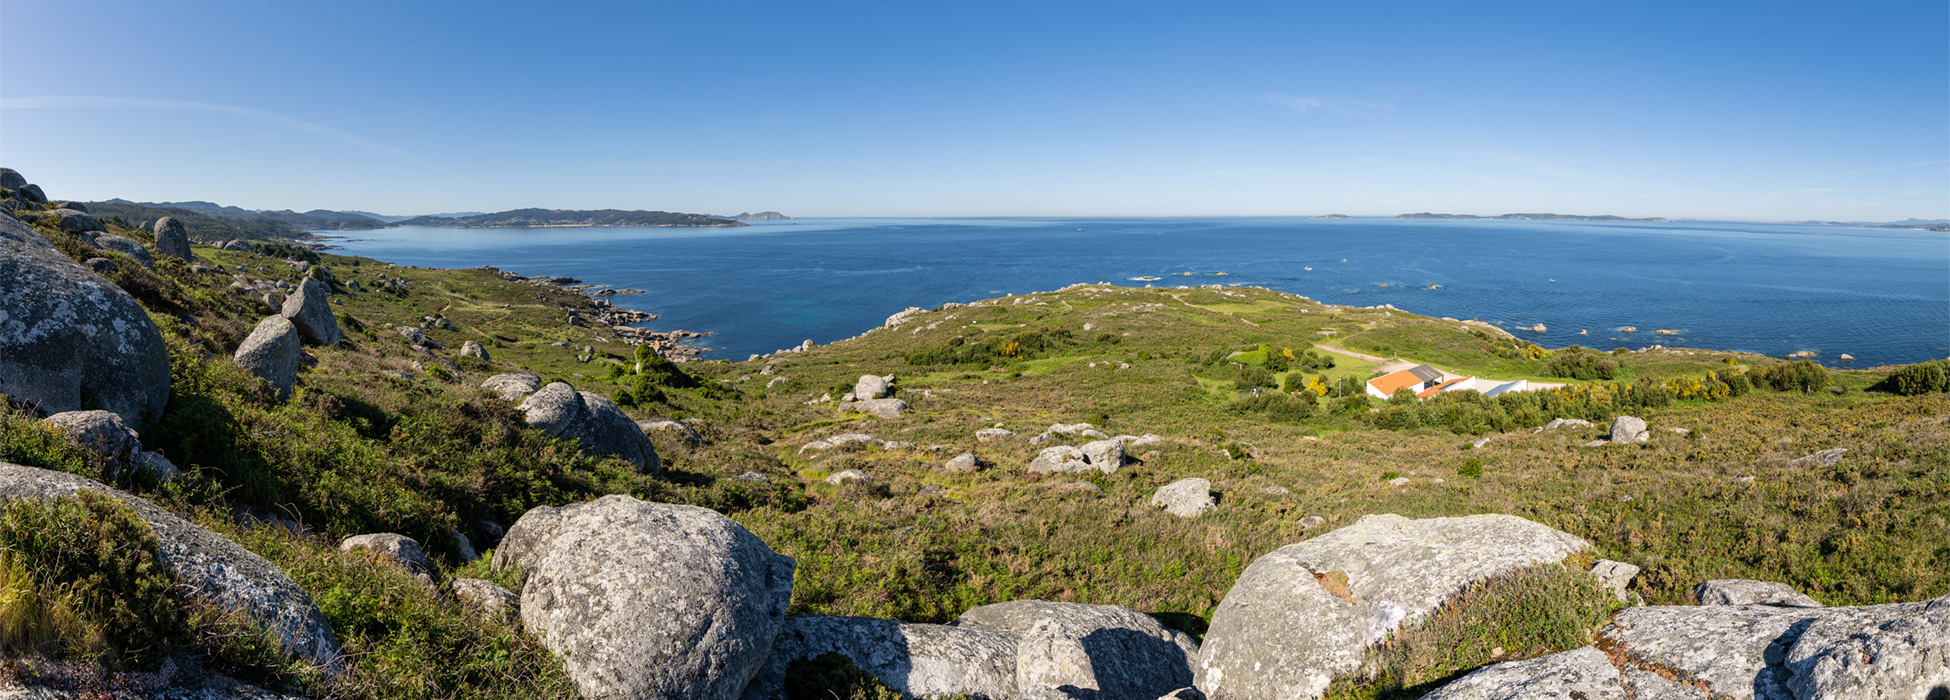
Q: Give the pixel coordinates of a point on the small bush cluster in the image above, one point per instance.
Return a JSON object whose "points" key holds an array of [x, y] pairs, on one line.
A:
{"points": [[1579, 363], [1919, 378], [1025, 345]]}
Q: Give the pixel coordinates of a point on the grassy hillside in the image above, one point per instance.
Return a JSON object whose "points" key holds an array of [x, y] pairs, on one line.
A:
{"points": [[382, 437]]}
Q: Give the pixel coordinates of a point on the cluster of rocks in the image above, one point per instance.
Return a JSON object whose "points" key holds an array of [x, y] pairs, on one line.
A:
{"points": [[559, 411], [117, 446], [1106, 454], [669, 344]]}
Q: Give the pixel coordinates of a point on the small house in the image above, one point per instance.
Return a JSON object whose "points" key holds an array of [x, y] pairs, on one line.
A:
{"points": [[1418, 379]]}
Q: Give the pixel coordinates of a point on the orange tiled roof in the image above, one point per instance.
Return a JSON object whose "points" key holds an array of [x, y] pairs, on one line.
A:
{"points": [[1390, 383], [1437, 389]]}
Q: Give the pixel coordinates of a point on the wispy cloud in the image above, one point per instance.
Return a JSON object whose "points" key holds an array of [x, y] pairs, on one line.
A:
{"points": [[258, 115], [1333, 105]]}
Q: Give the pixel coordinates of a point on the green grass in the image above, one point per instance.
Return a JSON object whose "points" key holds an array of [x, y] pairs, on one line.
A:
{"points": [[358, 450]]}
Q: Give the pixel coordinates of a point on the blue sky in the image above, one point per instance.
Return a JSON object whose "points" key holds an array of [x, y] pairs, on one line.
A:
{"points": [[1758, 111]]}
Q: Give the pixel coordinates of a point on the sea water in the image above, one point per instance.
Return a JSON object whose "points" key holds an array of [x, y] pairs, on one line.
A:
{"points": [[1880, 295]]}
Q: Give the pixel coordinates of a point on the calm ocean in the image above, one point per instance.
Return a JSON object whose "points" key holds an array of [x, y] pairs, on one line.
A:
{"points": [[1881, 295]]}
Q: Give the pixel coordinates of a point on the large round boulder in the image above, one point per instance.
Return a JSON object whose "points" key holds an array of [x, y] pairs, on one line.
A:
{"points": [[70, 340], [872, 386], [171, 239], [271, 353], [559, 411], [309, 310], [649, 600], [12, 179], [1306, 613], [209, 564], [76, 221], [1185, 498], [125, 246]]}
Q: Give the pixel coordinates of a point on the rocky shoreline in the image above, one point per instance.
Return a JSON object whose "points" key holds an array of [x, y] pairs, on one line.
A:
{"points": [[669, 344]]}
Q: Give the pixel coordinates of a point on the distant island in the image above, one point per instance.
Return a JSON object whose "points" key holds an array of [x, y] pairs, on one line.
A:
{"points": [[761, 216], [314, 220], [1333, 216], [1531, 217], [524, 218]]}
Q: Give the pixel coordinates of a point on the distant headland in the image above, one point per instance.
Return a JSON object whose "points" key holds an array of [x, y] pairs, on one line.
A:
{"points": [[1533, 217], [538, 218], [1333, 216]]}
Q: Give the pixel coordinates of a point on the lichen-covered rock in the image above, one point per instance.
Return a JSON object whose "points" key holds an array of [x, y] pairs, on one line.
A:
{"points": [[644, 600], [487, 597], [76, 221], [1583, 673], [1185, 498], [1629, 429], [171, 239], [1306, 613], [308, 310], [513, 386], [70, 340], [872, 387], [271, 353], [12, 179], [100, 432], [125, 246], [553, 409], [1106, 455], [401, 550], [1104, 652], [1061, 458], [1874, 652], [207, 563], [606, 429], [1615, 575], [1734, 591], [881, 408], [918, 660], [473, 349], [964, 463]]}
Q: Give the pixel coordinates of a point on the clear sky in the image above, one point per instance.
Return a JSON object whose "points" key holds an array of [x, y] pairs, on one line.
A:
{"points": [[1759, 111]]}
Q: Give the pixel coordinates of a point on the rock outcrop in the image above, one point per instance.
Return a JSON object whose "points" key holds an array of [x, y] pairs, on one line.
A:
{"points": [[828, 443], [872, 387], [1625, 429], [1106, 456], [993, 435], [473, 349], [1763, 652], [171, 239], [70, 340], [125, 246], [207, 563], [1088, 652], [559, 411], [75, 221], [647, 600], [1185, 498], [1733, 591], [918, 660], [1582, 673], [1306, 613], [308, 309], [512, 386], [880, 408], [271, 353]]}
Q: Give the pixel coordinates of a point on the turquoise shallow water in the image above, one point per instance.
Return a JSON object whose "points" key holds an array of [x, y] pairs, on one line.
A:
{"points": [[1882, 295]]}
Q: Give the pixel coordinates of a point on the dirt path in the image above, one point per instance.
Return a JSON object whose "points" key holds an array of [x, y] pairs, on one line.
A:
{"points": [[1338, 350]]}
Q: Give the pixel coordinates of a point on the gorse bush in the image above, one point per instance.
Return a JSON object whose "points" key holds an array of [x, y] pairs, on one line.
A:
{"points": [[1279, 407], [1025, 345], [1579, 363], [1800, 375], [1920, 378]]}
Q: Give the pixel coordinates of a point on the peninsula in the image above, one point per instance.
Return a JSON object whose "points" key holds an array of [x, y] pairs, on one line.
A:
{"points": [[525, 218]]}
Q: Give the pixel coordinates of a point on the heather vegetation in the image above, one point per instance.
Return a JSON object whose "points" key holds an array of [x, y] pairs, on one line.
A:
{"points": [[386, 436]]}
